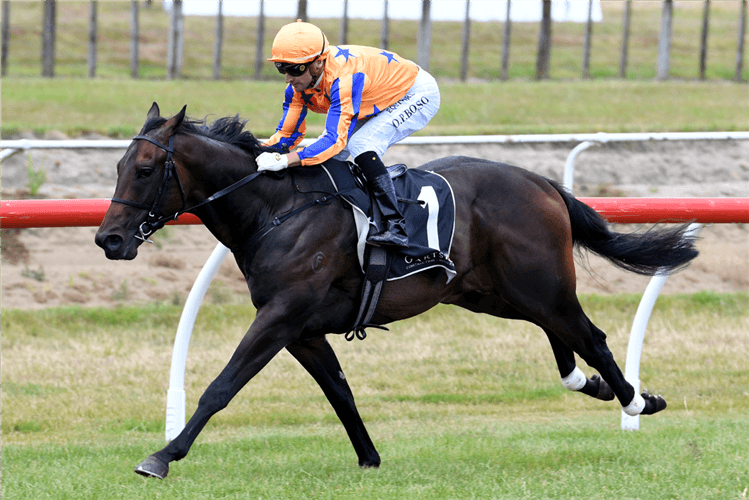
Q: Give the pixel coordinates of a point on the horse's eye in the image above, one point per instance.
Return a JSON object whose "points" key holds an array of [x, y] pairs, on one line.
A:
{"points": [[144, 172]]}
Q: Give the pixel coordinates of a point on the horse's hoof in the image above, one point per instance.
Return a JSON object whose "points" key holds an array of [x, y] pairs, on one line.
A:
{"points": [[152, 467], [596, 387], [653, 403], [370, 463], [604, 390]]}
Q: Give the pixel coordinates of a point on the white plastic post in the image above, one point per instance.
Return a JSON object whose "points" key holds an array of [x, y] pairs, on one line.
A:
{"points": [[569, 166], [175, 396], [7, 153], [637, 335]]}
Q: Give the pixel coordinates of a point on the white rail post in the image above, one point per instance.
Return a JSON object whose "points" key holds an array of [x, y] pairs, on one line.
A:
{"points": [[175, 396], [637, 335], [7, 153], [569, 166]]}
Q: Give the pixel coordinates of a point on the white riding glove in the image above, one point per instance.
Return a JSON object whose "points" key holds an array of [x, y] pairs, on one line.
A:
{"points": [[272, 162]]}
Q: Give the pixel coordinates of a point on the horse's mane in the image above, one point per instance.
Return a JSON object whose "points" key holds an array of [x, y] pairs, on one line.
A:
{"points": [[229, 129]]}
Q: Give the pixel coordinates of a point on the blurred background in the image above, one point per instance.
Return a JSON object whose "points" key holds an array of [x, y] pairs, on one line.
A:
{"points": [[454, 39]]}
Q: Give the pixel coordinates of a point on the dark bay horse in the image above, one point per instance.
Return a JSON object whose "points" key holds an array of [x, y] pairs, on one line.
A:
{"points": [[515, 232]]}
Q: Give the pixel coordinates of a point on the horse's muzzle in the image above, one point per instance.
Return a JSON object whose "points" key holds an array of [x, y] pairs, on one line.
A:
{"points": [[115, 247]]}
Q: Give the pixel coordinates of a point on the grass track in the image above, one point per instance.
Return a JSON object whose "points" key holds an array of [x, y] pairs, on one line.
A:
{"points": [[459, 406], [580, 456]]}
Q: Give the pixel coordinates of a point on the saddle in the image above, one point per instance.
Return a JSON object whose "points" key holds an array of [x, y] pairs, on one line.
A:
{"points": [[428, 206]]}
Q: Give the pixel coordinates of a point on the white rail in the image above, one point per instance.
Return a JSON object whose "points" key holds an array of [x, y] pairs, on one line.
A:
{"points": [[10, 147]]}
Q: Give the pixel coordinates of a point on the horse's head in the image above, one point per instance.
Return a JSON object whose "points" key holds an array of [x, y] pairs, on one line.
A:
{"points": [[148, 189]]}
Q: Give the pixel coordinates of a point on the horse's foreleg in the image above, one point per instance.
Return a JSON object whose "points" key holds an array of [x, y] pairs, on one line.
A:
{"points": [[573, 377], [317, 357], [256, 349]]}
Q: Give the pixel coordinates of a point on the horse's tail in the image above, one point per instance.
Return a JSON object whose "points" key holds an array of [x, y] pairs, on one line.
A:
{"points": [[664, 251]]}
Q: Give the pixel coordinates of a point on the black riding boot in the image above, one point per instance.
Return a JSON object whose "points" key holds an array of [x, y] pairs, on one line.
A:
{"points": [[394, 231]]}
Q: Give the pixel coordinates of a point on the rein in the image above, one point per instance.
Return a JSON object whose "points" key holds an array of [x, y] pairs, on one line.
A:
{"points": [[153, 222]]}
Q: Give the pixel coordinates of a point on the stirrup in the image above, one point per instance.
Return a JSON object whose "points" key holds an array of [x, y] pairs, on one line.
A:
{"points": [[395, 234], [388, 239]]}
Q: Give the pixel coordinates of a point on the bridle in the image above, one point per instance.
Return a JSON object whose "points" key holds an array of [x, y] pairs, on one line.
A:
{"points": [[153, 222]]}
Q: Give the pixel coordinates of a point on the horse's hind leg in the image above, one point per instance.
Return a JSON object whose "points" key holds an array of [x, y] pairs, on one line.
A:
{"points": [[573, 377], [583, 337], [558, 312], [318, 358]]}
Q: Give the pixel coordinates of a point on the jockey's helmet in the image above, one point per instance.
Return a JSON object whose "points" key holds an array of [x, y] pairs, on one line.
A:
{"points": [[298, 43]]}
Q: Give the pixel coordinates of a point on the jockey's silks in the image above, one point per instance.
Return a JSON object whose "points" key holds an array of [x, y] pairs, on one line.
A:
{"points": [[357, 82]]}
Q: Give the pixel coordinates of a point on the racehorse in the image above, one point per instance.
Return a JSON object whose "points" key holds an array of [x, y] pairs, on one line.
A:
{"points": [[515, 232]]}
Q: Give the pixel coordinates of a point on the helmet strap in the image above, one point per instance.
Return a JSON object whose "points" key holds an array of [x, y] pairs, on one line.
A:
{"points": [[319, 77]]}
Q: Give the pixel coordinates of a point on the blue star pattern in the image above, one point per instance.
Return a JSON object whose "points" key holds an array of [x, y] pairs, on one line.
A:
{"points": [[344, 52], [307, 98], [390, 57]]}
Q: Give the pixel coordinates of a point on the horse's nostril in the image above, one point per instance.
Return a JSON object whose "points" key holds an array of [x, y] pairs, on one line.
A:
{"points": [[112, 242]]}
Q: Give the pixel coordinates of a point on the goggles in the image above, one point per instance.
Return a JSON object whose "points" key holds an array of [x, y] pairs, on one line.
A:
{"points": [[293, 69]]}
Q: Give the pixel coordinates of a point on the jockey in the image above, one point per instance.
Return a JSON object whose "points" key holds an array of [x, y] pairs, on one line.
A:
{"points": [[373, 98]]}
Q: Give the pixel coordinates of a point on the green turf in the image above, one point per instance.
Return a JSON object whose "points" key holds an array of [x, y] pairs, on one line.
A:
{"points": [[459, 405], [564, 456], [118, 108]]}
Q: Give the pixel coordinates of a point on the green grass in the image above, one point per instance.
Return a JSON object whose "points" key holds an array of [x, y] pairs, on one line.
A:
{"points": [[118, 108], [563, 457], [459, 405]]}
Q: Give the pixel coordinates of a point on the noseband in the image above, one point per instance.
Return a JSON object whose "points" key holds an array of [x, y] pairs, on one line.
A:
{"points": [[153, 222]]}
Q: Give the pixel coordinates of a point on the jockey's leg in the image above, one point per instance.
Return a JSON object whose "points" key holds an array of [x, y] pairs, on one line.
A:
{"points": [[393, 230], [370, 140]]}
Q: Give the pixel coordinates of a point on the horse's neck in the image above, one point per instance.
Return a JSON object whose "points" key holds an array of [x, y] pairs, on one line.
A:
{"points": [[238, 215]]}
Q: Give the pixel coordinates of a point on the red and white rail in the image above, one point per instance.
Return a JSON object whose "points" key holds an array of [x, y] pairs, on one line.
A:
{"points": [[90, 212]]}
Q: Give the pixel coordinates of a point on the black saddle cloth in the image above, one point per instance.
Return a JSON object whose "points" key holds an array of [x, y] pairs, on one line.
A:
{"points": [[428, 205]]}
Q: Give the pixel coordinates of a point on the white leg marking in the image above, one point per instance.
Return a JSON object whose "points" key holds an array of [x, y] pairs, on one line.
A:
{"points": [[635, 407], [575, 380]]}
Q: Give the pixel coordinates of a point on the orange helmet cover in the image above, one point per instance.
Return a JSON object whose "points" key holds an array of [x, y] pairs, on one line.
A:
{"points": [[299, 42]]}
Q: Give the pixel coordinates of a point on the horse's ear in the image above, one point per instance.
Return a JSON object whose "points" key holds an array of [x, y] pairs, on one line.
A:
{"points": [[175, 120], [154, 111]]}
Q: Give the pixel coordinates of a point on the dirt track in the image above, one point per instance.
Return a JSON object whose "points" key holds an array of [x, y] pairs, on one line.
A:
{"points": [[63, 266]]}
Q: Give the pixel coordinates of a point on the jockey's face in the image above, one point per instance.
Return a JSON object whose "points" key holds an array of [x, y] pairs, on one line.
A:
{"points": [[301, 82], [305, 80]]}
